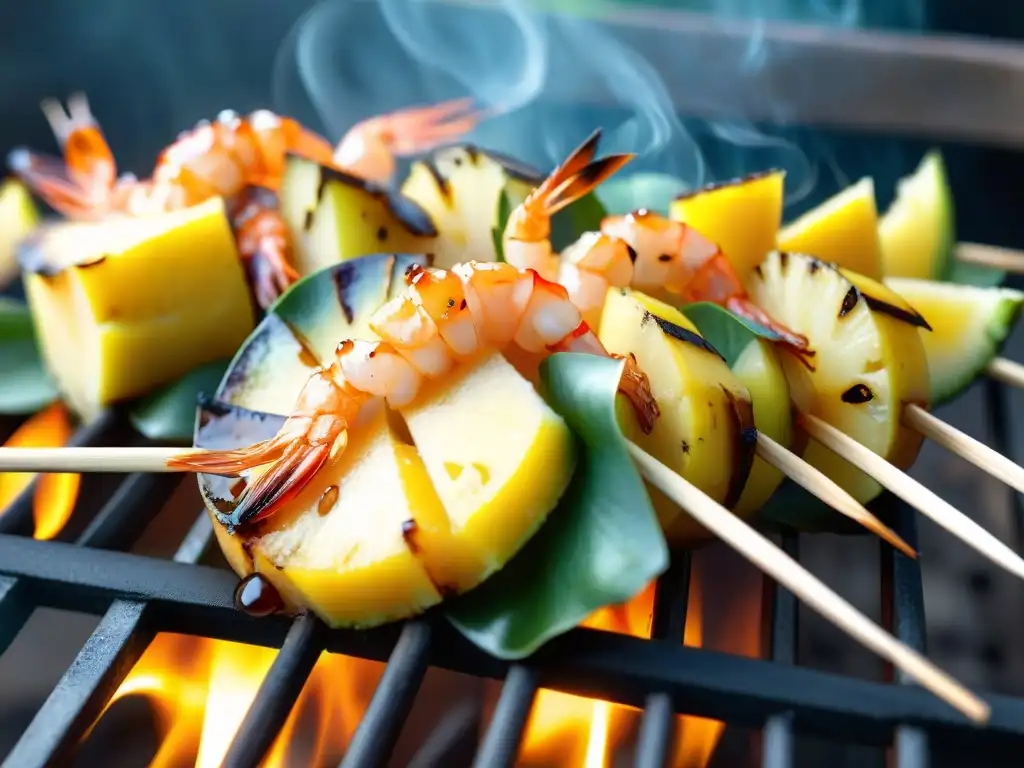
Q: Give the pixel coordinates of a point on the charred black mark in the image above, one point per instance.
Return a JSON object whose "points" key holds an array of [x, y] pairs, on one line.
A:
{"points": [[514, 168], [746, 434], [784, 259], [758, 272], [686, 447], [632, 252], [382, 234], [306, 353], [681, 334], [307, 223], [409, 213], [907, 316], [410, 531], [435, 173], [858, 394], [849, 301], [451, 302], [344, 279], [734, 182], [665, 257], [813, 266]]}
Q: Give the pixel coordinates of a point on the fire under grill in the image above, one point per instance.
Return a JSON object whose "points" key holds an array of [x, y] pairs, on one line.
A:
{"points": [[139, 596]]}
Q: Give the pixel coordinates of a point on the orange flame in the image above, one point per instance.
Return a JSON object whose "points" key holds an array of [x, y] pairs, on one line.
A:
{"points": [[55, 495], [575, 731], [200, 690]]}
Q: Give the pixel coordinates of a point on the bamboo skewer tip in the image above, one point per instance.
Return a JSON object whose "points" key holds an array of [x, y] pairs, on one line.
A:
{"points": [[785, 570], [826, 489], [911, 491]]}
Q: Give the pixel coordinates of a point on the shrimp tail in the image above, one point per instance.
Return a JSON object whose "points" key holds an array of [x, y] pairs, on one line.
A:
{"points": [[796, 342], [264, 243], [291, 460], [578, 175]]}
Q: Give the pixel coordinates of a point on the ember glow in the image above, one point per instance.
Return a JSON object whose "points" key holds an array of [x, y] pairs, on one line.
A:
{"points": [[200, 690], [575, 731], [55, 495]]}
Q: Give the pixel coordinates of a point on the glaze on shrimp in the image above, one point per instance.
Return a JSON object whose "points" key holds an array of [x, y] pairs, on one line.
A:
{"points": [[642, 249], [442, 318], [241, 159]]}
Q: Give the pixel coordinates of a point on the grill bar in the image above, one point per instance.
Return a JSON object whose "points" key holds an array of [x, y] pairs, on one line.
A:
{"points": [[80, 696], [382, 722], [903, 614], [671, 601], [115, 526], [619, 668], [997, 408], [777, 739], [501, 743], [277, 694]]}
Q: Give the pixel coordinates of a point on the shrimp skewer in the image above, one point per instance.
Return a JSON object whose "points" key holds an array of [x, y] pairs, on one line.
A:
{"points": [[641, 249], [677, 258], [442, 318], [240, 159]]}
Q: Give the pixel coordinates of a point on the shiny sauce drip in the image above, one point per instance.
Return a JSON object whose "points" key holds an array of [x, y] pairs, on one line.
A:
{"points": [[256, 596]]}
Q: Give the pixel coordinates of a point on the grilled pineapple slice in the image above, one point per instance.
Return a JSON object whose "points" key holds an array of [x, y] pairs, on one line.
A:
{"points": [[334, 217], [755, 200], [969, 324], [706, 428], [869, 360], [18, 217], [429, 501], [842, 230], [123, 306], [460, 187]]}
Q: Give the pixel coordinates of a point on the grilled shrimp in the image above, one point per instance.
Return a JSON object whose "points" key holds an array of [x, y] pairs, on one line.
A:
{"points": [[442, 318], [239, 158], [675, 257], [526, 241]]}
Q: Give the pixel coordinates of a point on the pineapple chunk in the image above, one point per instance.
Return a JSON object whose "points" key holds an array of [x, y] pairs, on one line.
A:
{"points": [[499, 458], [869, 359], [302, 329], [756, 200], [335, 217], [706, 428], [18, 217], [393, 526], [760, 370], [341, 547], [460, 187], [126, 305], [842, 230]]}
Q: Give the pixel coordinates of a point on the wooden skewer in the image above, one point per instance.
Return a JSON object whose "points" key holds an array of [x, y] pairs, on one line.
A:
{"points": [[976, 452], [827, 490], [915, 494], [990, 256], [102, 459], [709, 513], [786, 571], [1007, 372], [88, 459]]}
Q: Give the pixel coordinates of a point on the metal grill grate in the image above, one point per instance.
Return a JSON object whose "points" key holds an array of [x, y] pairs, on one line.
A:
{"points": [[139, 596]]}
